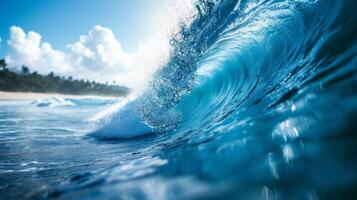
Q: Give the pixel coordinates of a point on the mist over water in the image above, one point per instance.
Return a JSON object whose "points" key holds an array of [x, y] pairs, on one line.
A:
{"points": [[256, 101]]}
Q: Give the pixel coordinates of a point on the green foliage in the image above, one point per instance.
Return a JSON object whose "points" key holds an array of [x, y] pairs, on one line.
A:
{"points": [[51, 83]]}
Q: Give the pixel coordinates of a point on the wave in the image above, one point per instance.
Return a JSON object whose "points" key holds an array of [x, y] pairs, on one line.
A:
{"points": [[238, 60]]}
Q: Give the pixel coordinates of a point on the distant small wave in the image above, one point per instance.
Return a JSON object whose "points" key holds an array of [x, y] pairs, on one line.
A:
{"points": [[52, 102]]}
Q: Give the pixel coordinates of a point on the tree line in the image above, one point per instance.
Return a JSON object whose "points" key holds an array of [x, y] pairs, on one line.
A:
{"points": [[27, 81]]}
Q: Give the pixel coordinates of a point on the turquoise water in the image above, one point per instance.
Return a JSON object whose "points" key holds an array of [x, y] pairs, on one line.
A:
{"points": [[257, 101]]}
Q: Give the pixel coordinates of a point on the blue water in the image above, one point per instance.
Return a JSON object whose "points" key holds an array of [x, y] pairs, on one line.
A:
{"points": [[257, 101]]}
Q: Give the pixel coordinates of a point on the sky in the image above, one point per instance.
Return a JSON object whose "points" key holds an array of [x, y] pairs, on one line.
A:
{"points": [[104, 40]]}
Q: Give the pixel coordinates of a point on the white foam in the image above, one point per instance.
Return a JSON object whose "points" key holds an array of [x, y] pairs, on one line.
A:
{"points": [[52, 102], [121, 121]]}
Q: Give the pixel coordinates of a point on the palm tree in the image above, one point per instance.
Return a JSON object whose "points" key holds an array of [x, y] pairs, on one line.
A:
{"points": [[25, 70]]}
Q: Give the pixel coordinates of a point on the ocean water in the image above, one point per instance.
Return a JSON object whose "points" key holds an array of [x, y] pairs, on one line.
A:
{"points": [[258, 100]]}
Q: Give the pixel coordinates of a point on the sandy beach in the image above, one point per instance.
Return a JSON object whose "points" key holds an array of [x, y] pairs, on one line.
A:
{"points": [[28, 96]]}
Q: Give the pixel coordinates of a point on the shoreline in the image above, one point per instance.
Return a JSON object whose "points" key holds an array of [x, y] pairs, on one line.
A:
{"points": [[28, 96]]}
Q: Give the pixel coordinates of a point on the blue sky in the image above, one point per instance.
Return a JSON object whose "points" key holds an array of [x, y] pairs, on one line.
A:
{"points": [[63, 21], [102, 40]]}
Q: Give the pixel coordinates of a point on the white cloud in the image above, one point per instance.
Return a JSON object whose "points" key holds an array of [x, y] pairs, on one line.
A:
{"points": [[99, 50], [27, 49], [99, 55]]}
